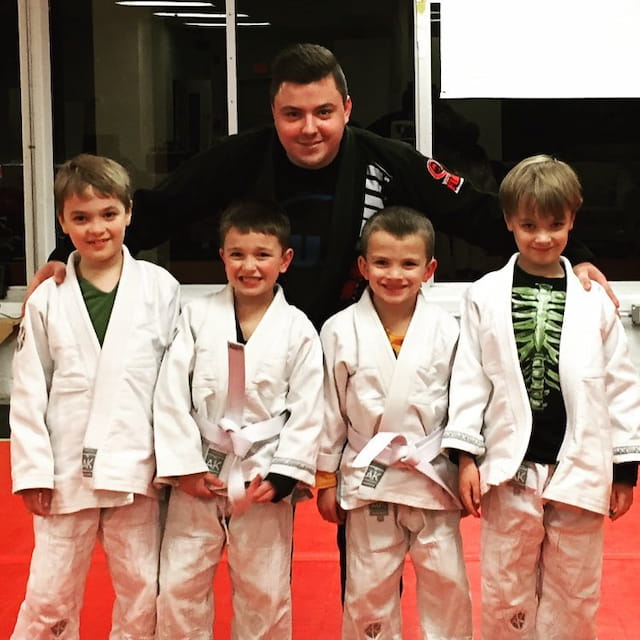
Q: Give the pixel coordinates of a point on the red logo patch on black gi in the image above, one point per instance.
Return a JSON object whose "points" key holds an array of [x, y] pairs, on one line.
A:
{"points": [[438, 172]]}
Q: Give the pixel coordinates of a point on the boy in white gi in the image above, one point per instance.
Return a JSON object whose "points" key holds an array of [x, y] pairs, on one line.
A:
{"points": [[387, 365], [545, 412], [84, 371], [238, 414]]}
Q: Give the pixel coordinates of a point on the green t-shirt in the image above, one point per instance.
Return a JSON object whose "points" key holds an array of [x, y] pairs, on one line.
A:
{"points": [[99, 305]]}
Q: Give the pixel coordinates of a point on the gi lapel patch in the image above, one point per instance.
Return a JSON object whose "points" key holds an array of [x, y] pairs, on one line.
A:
{"points": [[373, 475], [88, 460], [214, 461], [519, 481]]}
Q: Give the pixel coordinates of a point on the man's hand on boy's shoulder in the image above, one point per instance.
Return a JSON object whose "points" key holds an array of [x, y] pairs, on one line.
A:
{"points": [[586, 272]]}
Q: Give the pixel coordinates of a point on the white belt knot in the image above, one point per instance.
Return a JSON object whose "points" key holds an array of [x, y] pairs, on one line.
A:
{"points": [[240, 445], [228, 436], [394, 449]]}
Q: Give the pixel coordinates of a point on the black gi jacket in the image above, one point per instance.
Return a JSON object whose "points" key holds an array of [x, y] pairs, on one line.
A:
{"points": [[243, 165]]}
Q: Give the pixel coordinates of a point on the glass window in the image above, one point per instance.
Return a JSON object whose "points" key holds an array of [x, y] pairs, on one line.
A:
{"points": [[151, 90], [483, 138], [12, 263]]}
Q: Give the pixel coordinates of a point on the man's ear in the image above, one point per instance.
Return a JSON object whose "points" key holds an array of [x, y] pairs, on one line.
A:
{"points": [[348, 106]]}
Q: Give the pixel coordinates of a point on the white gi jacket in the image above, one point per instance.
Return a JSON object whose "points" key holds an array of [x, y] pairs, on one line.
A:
{"points": [[366, 385], [80, 409], [489, 412], [283, 375]]}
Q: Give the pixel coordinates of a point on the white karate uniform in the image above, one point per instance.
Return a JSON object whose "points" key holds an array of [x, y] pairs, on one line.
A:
{"points": [[283, 377], [490, 417], [383, 422], [81, 425]]}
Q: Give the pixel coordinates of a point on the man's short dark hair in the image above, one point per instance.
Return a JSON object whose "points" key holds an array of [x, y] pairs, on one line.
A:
{"points": [[259, 216], [303, 64]]}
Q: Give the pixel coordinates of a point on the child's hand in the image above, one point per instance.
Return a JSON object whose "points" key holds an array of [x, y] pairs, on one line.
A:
{"points": [[469, 484], [260, 490], [328, 505], [37, 501], [621, 499], [200, 485]]}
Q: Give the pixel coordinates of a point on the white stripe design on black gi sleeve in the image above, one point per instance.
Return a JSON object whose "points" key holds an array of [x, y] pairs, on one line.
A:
{"points": [[376, 178]]}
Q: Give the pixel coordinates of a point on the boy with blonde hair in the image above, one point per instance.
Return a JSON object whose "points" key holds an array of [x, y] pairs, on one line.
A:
{"points": [[238, 413], [387, 365], [545, 414], [84, 371]]}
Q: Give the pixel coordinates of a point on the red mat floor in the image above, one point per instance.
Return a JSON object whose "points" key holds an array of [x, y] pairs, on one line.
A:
{"points": [[316, 605]]}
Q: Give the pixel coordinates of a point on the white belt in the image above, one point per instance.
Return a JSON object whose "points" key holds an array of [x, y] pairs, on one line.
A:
{"points": [[230, 437], [394, 449]]}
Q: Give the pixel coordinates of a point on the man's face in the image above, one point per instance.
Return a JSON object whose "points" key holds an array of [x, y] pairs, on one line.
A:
{"points": [[310, 121]]}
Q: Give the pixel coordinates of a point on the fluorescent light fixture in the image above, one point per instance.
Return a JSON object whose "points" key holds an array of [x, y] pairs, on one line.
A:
{"points": [[167, 14], [222, 25], [162, 3]]}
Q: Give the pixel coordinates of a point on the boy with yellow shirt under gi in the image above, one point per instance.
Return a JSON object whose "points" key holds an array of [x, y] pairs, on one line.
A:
{"points": [[387, 364]]}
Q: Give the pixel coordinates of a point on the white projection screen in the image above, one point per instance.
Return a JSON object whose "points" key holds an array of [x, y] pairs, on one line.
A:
{"points": [[540, 48]]}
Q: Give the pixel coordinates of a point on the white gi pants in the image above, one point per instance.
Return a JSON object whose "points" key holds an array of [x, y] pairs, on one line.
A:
{"points": [[259, 556], [60, 562], [541, 564], [379, 536]]}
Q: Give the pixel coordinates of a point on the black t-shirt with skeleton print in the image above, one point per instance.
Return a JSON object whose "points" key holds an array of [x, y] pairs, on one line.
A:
{"points": [[537, 307]]}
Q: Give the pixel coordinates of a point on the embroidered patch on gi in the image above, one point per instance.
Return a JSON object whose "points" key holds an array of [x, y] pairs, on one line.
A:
{"points": [[214, 460], [88, 460], [373, 475], [438, 172], [58, 628], [520, 479], [379, 509], [373, 630], [518, 620]]}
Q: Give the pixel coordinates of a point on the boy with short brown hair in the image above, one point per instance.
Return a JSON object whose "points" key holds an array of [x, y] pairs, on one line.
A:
{"points": [[387, 365], [545, 414], [84, 371]]}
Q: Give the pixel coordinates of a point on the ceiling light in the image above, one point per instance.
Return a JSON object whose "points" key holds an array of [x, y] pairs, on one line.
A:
{"points": [[163, 3], [167, 14], [223, 25]]}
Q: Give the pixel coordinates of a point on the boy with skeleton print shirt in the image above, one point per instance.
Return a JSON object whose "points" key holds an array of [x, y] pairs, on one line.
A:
{"points": [[545, 416]]}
